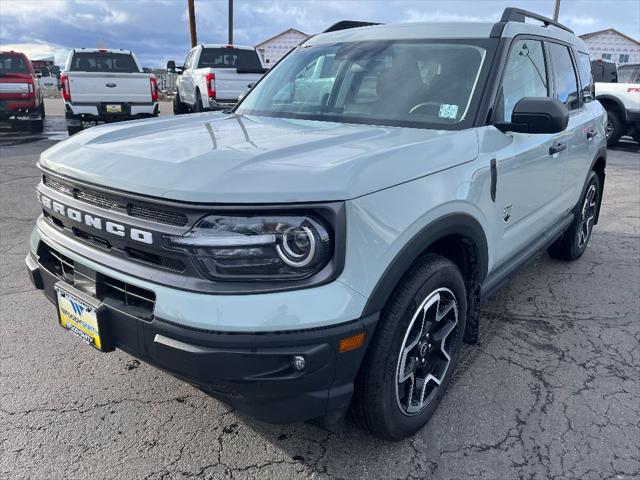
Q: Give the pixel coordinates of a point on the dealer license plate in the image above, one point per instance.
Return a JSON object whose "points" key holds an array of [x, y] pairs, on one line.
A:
{"points": [[113, 108], [79, 317]]}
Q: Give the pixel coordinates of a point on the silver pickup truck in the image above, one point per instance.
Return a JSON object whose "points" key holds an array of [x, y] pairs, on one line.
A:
{"points": [[100, 85], [214, 76]]}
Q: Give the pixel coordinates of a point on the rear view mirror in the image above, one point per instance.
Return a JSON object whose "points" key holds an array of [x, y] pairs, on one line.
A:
{"points": [[537, 115]]}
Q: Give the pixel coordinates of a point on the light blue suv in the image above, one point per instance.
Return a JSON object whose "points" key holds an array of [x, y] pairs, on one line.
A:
{"points": [[325, 245]]}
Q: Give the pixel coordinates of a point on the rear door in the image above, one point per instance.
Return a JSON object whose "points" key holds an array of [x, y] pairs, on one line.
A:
{"points": [[107, 77], [529, 171]]}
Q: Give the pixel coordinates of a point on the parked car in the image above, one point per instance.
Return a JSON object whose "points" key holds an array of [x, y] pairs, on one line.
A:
{"points": [[213, 77], [20, 94], [101, 85], [300, 258], [619, 92]]}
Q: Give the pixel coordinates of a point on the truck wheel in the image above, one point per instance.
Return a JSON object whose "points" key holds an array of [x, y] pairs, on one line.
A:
{"points": [[36, 126], [198, 105], [614, 129], [574, 241], [413, 354], [42, 112], [178, 107], [73, 129]]}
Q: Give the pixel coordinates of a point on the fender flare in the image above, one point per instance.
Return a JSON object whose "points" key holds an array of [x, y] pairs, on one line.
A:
{"points": [[617, 101], [453, 224]]}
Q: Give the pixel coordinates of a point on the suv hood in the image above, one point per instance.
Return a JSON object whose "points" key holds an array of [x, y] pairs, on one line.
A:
{"points": [[227, 158]]}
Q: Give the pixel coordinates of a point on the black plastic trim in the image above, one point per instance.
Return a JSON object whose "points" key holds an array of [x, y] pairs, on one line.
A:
{"points": [[616, 101], [458, 223]]}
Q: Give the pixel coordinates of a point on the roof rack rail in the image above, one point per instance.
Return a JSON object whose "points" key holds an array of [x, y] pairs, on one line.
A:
{"points": [[346, 24], [512, 14]]}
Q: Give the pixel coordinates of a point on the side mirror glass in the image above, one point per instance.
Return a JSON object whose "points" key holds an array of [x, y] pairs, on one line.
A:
{"points": [[537, 115]]}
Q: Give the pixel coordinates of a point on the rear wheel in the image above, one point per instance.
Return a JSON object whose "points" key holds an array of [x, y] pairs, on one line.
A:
{"points": [[411, 359], [198, 105], [614, 129], [178, 107], [36, 126], [73, 129], [635, 133], [574, 241]]}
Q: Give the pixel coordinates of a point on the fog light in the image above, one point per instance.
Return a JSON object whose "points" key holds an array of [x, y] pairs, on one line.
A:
{"points": [[298, 363]]}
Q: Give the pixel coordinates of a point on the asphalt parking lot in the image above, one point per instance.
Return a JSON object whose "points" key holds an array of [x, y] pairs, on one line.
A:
{"points": [[552, 390]]}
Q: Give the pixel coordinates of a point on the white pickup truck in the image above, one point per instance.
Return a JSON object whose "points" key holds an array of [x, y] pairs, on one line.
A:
{"points": [[100, 85], [214, 76], [621, 99]]}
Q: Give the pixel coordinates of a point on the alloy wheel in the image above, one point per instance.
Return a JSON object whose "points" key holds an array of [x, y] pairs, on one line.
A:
{"points": [[587, 215], [425, 354]]}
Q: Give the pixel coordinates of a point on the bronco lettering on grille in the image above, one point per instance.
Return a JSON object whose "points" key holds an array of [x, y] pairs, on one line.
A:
{"points": [[97, 223]]}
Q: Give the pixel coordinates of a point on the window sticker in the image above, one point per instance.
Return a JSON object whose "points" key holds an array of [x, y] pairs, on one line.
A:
{"points": [[448, 111]]}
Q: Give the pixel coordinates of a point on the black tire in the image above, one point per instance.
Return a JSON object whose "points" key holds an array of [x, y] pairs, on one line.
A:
{"points": [[42, 112], [380, 402], [73, 129], [635, 133], [573, 242], [178, 107], [197, 107], [36, 126], [615, 127]]}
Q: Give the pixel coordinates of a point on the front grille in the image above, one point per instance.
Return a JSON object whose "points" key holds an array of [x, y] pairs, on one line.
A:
{"points": [[158, 215], [137, 300], [97, 200], [145, 212]]}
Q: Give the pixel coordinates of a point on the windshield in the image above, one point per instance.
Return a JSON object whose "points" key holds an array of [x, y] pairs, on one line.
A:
{"points": [[404, 83], [229, 58], [103, 62], [11, 63]]}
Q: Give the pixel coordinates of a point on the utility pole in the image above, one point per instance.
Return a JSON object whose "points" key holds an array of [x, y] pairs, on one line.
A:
{"points": [[556, 10], [230, 22], [192, 23]]}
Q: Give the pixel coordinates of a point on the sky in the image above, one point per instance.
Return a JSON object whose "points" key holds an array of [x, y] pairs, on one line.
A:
{"points": [[157, 30]]}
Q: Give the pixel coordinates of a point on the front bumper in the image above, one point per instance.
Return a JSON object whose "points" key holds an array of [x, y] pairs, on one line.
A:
{"points": [[250, 371]]}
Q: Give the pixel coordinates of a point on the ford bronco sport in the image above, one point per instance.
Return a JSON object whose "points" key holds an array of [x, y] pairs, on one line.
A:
{"points": [[299, 257]]}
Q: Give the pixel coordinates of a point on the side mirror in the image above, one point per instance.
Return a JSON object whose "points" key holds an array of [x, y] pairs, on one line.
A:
{"points": [[171, 66], [537, 115]]}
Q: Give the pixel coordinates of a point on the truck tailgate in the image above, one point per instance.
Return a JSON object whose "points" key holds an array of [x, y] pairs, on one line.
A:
{"points": [[230, 84], [90, 87]]}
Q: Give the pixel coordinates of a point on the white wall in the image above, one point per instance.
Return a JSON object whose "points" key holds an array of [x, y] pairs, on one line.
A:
{"points": [[278, 47], [614, 45]]}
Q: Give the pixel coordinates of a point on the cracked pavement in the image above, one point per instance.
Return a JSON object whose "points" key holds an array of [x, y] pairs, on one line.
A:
{"points": [[552, 390]]}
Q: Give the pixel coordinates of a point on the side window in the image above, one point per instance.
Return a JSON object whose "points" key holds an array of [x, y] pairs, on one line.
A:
{"points": [[586, 80], [187, 62], [564, 75], [525, 75]]}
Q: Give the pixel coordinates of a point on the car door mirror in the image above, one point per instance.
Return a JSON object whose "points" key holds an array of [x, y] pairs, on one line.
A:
{"points": [[537, 115], [171, 66]]}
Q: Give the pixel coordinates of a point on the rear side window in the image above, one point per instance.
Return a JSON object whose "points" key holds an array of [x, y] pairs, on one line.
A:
{"points": [[525, 75], [240, 59], [564, 75], [103, 62], [586, 80], [629, 74], [13, 64]]}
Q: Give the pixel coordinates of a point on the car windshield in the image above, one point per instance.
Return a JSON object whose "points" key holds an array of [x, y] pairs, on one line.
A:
{"points": [[229, 58], [103, 62], [403, 83], [10, 63]]}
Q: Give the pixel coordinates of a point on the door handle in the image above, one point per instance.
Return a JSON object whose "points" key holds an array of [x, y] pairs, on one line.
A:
{"points": [[591, 134], [557, 148]]}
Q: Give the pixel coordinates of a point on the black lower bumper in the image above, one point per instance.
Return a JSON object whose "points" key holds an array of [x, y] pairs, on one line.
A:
{"points": [[251, 371]]}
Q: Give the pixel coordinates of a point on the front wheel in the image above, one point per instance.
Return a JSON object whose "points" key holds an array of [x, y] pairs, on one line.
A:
{"points": [[574, 241], [412, 356], [614, 129]]}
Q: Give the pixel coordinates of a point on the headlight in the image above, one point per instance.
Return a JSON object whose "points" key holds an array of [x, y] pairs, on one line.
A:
{"points": [[243, 247]]}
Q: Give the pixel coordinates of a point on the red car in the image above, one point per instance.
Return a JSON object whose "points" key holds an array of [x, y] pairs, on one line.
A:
{"points": [[20, 94]]}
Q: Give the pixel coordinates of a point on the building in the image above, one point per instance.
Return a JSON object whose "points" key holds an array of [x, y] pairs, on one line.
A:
{"points": [[613, 46], [276, 47]]}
